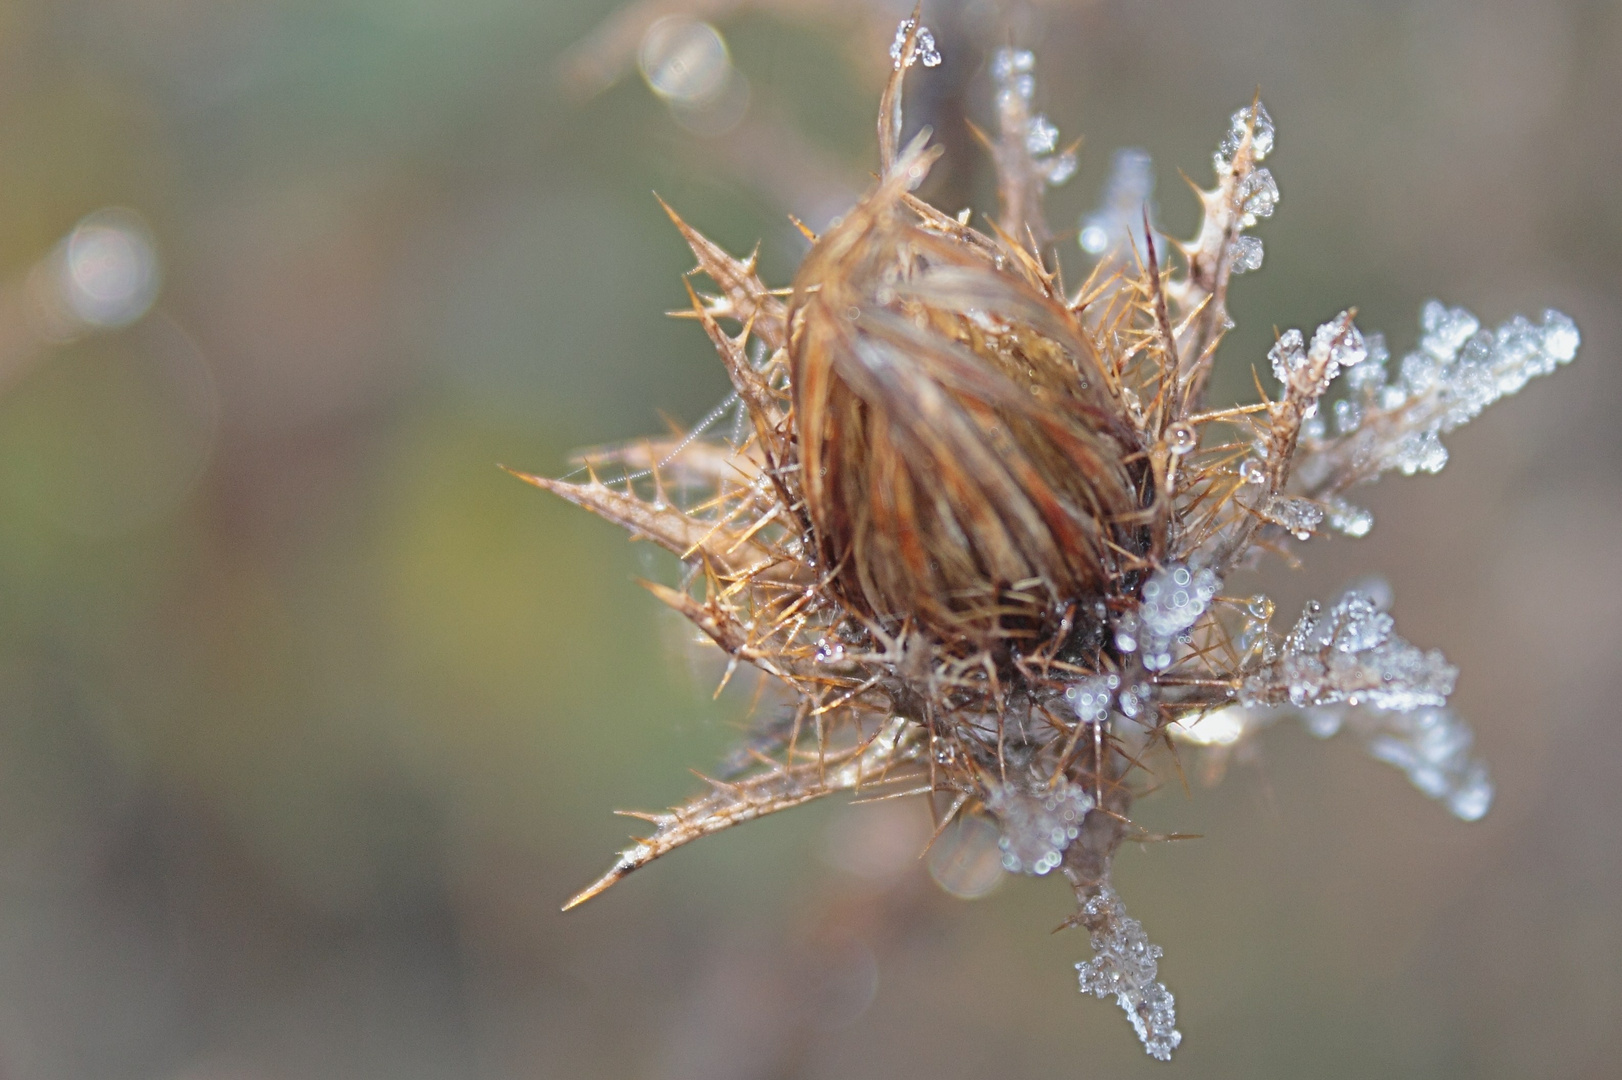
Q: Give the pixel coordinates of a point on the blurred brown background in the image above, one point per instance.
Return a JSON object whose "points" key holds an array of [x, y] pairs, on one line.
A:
{"points": [[310, 718]]}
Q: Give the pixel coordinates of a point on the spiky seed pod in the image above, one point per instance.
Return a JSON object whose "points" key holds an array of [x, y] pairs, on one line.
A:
{"points": [[959, 464]]}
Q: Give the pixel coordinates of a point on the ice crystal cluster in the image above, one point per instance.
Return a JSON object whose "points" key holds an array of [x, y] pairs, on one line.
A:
{"points": [[976, 523]]}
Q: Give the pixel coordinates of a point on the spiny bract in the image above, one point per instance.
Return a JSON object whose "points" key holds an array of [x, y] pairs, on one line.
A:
{"points": [[978, 525]]}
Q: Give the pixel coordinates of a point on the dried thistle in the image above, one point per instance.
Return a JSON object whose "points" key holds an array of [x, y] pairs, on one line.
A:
{"points": [[978, 525]]}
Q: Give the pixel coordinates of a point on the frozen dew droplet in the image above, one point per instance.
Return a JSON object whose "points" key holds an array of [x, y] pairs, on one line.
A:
{"points": [[1368, 376], [1352, 655], [1094, 239], [1258, 194], [1012, 69], [1421, 451], [1010, 62], [1473, 798], [1037, 821], [1346, 348], [1181, 438], [1041, 137], [1252, 471], [1261, 139], [1288, 355], [923, 46], [1378, 353], [1358, 624], [1126, 633], [1348, 519], [1560, 336], [1433, 746], [1348, 415], [1247, 254], [830, 651], [1174, 598], [1092, 698], [1058, 168], [1261, 136], [1420, 371], [1446, 329]]}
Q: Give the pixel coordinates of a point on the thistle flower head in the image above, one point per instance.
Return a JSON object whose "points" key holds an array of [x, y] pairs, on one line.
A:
{"points": [[977, 524]]}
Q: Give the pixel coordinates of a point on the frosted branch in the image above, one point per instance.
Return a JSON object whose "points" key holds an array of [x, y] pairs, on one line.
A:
{"points": [[1432, 746], [1125, 964], [1027, 151], [1350, 655], [1396, 421]]}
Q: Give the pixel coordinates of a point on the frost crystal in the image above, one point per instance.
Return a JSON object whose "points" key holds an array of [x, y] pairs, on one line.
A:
{"points": [[1038, 822], [923, 46], [1125, 964], [1351, 655]]}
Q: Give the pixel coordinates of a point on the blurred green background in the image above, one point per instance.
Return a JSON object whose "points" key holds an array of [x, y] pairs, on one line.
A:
{"points": [[310, 718]]}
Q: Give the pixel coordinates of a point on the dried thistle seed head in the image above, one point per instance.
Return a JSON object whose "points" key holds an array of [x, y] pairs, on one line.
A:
{"points": [[959, 462], [977, 531]]}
